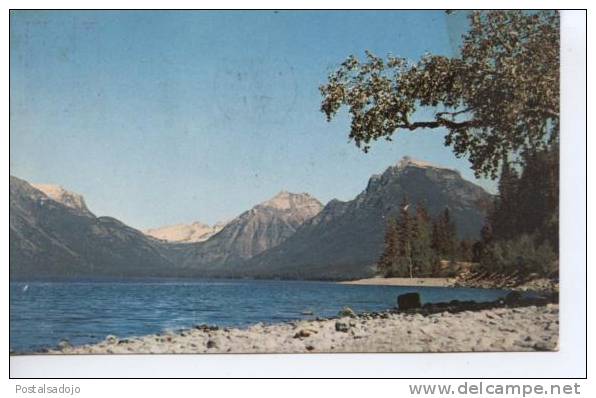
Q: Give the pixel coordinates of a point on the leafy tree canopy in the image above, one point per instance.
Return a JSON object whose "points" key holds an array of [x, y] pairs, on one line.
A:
{"points": [[498, 99]]}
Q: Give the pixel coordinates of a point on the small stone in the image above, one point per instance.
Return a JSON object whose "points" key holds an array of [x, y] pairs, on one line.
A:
{"points": [[541, 346], [547, 326], [211, 344], [302, 333], [310, 348], [110, 339], [64, 344], [341, 327]]}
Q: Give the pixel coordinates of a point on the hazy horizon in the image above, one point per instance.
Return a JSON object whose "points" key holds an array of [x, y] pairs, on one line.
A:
{"points": [[162, 118]]}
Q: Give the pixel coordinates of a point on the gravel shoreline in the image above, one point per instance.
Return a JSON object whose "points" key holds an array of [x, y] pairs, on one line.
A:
{"points": [[526, 328]]}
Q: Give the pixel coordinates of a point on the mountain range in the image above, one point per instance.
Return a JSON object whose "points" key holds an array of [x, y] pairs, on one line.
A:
{"points": [[346, 238], [54, 234]]}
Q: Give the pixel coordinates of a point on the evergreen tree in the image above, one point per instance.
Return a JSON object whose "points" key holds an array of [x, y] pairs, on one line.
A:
{"points": [[486, 233], [505, 218], [525, 217], [486, 237], [423, 256], [450, 233], [406, 227], [538, 198], [465, 250], [444, 240], [415, 243], [388, 258]]}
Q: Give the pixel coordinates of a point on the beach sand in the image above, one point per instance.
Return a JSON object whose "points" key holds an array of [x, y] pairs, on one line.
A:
{"points": [[437, 282], [531, 328], [543, 285]]}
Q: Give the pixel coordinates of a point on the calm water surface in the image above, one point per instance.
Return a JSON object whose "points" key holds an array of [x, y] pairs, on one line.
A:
{"points": [[44, 313]]}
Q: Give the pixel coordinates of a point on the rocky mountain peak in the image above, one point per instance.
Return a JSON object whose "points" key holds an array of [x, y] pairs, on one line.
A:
{"points": [[285, 200], [408, 161], [67, 198], [404, 168]]}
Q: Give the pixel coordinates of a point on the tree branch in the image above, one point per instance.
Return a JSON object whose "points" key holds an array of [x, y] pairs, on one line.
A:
{"points": [[439, 123]]}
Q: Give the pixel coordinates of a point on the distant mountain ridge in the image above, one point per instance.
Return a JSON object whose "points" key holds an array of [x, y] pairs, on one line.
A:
{"points": [[346, 238], [186, 233]]}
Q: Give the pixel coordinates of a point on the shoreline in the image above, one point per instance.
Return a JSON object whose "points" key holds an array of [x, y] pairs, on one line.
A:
{"points": [[498, 326], [380, 281], [538, 285]]}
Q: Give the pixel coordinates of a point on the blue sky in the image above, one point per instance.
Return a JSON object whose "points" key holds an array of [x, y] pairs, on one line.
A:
{"points": [[166, 117]]}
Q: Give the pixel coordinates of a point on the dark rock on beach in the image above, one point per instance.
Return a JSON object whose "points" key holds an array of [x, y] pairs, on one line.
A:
{"points": [[513, 298], [408, 301], [341, 327]]}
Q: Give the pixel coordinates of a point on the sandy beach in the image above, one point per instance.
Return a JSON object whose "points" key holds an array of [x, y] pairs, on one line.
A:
{"points": [[436, 282], [531, 328], [543, 285]]}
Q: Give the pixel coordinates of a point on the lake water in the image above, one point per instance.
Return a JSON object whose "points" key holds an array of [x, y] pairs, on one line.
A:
{"points": [[44, 313]]}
